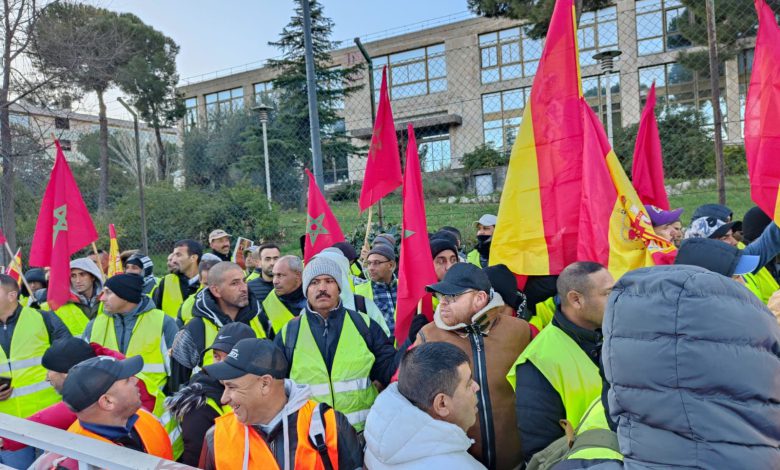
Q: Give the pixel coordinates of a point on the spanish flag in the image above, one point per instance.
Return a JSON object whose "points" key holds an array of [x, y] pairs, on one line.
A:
{"points": [[114, 262], [15, 268], [762, 129], [614, 230], [536, 232]]}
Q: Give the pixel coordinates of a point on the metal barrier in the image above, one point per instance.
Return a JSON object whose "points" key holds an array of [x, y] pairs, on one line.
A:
{"points": [[90, 453]]}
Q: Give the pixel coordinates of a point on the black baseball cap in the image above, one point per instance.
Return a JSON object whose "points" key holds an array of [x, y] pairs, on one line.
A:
{"points": [[460, 278], [66, 353], [251, 356], [229, 335], [716, 256], [87, 381]]}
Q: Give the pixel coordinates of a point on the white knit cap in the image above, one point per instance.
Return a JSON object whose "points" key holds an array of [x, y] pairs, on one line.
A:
{"points": [[319, 266]]}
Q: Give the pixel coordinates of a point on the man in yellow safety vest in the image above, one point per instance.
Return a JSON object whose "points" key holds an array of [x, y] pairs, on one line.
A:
{"points": [[183, 281], [287, 299]]}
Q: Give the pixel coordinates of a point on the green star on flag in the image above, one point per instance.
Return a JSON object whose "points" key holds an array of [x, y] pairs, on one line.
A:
{"points": [[314, 228], [408, 233]]}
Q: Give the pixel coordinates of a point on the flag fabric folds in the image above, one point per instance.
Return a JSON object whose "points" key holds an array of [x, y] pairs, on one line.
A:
{"points": [[64, 227], [762, 129], [536, 233], [415, 269], [15, 268], [322, 228], [647, 171], [615, 230], [114, 262], [383, 167]]}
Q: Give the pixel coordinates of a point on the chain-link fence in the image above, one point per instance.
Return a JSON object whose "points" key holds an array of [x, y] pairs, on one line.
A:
{"points": [[463, 86]]}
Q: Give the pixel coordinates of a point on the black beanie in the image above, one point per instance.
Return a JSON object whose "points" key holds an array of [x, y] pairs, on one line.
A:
{"points": [[66, 353], [753, 224], [440, 244], [126, 286]]}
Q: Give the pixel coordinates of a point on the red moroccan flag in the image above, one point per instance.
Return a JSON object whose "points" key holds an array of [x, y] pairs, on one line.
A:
{"points": [[536, 233], [322, 228], [64, 227], [415, 269], [383, 168], [615, 229], [762, 129], [647, 171]]}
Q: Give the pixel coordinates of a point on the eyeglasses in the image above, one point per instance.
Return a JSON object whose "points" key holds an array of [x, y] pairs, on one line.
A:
{"points": [[448, 299], [375, 263]]}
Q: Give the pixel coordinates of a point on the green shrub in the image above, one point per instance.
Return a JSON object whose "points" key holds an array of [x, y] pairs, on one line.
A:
{"points": [[483, 156], [346, 192]]}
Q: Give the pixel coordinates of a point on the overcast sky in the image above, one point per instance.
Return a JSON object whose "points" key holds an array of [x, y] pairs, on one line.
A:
{"points": [[218, 35]]}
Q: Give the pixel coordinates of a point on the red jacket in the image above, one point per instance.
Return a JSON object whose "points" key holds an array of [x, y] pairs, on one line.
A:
{"points": [[59, 415]]}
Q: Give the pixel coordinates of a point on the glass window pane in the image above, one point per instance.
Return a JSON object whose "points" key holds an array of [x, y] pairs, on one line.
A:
{"points": [[529, 68], [437, 67], [510, 72], [650, 46], [590, 87], [491, 103], [236, 92], [512, 33], [223, 95], [407, 56], [608, 34], [586, 38], [647, 5], [649, 25], [494, 137], [488, 38], [532, 49], [211, 98], [510, 52], [438, 85], [489, 57], [436, 49], [513, 99], [490, 75], [587, 17]]}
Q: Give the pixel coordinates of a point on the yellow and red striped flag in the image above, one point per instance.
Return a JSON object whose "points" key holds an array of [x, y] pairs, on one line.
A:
{"points": [[762, 130], [615, 229], [114, 262], [536, 232], [15, 268]]}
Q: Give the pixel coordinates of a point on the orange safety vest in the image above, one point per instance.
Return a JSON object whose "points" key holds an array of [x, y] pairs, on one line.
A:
{"points": [[239, 446], [153, 435]]}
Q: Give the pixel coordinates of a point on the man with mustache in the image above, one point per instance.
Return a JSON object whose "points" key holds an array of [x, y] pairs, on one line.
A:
{"points": [[338, 352]]}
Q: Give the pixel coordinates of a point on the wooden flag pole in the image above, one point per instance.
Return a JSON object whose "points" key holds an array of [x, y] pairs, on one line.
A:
{"points": [[368, 230], [97, 262], [21, 272]]}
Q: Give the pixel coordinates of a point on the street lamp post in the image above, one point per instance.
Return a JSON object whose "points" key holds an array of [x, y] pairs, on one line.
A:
{"points": [[144, 239], [607, 61], [262, 113]]}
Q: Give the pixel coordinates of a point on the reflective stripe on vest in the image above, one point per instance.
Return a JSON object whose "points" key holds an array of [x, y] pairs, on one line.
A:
{"points": [[146, 340], [166, 418], [347, 388], [151, 432], [595, 419], [239, 446], [172, 297], [566, 366], [32, 392], [210, 334], [276, 311], [73, 318]]}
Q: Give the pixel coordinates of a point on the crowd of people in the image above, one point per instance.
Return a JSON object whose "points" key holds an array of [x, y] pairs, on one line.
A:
{"points": [[281, 364]]}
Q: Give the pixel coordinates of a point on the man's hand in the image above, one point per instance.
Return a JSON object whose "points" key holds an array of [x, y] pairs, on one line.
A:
{"points": [[5, 392]]}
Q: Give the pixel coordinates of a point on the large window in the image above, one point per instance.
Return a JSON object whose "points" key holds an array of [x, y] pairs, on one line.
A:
{"points": [[224, 102], [657, 25], [508, 54], [597, 32], [679, 89], [502, 113], [417, 72], [433, 145], [191, 115], [263, 93], [594, 89]]}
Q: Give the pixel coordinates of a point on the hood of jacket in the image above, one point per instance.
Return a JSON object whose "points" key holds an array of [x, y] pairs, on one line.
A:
{"points": [[206, 306], [692, 358], [86, 264], [478, 318], [397, 432]]}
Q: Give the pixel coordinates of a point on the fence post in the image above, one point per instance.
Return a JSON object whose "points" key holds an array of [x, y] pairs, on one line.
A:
{"points": [[720, 167]]}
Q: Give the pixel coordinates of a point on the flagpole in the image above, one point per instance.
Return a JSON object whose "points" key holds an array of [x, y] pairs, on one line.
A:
{"points": [[98, 263], [21, 271], [368, 227]]}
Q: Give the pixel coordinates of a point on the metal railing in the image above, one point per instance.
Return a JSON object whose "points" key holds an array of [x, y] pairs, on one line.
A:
{"points": [[90, 453]]}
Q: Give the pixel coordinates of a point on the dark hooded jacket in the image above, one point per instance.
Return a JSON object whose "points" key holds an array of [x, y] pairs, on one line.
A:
{"points": [[189, 405], [191, 341], [692, 358]]}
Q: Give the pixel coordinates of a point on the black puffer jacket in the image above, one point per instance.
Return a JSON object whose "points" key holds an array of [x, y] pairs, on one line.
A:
{"points": [[189, 405]]}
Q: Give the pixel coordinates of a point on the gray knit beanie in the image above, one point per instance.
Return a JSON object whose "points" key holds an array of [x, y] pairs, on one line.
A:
{"points": [[319, 266]]}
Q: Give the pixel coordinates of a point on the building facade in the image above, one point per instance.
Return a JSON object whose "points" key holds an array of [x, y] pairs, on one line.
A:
{"points": [[465, 84]]}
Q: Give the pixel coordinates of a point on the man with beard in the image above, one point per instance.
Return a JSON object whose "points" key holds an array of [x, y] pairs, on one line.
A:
{"points": [[219, 242], [183, 281], [486, 225], [226, 300], [86, 283], [261, 281]]}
